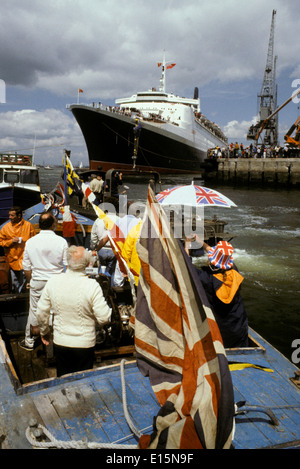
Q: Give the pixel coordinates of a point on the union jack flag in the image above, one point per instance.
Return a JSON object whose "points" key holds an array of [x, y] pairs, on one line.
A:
{"points": [[193, 195], [179, 346], [162, 195]]}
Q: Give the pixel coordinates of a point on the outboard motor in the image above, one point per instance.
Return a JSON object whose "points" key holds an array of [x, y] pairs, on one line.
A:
{"points": [[118, 331]]}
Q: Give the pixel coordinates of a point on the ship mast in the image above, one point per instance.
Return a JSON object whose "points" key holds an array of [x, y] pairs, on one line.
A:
{"points": [[163, 76], [164, 66]]}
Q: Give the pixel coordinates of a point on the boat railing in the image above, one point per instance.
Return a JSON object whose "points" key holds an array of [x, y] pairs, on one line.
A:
{"points": [[8, 158], [211, 126]]}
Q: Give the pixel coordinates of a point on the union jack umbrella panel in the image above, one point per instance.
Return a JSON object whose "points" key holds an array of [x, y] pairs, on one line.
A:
{"points": [[193, 196]]}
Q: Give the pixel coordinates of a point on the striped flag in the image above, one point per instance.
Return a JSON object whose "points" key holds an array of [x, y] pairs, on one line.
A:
{"points": [[178, 345], [71, 177], [69, 222]]}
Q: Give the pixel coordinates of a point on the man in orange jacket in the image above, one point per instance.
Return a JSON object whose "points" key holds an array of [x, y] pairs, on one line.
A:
{"points": [[13, 237]]}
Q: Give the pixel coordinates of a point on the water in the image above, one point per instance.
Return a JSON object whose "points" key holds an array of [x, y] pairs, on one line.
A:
{"points": [[266, 226]]}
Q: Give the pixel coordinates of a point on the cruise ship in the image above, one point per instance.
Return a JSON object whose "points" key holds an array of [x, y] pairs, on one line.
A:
{"points": [[149, 131]]}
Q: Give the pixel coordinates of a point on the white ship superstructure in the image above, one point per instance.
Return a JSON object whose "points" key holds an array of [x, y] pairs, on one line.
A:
{"points": [[151, 129]]}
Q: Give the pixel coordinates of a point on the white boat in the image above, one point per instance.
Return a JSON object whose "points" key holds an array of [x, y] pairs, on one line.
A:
{"points": [[152, 130], [19, 183]]}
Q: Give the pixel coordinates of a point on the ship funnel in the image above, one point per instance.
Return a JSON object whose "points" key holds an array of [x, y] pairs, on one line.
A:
{"points": [[196, 93]]}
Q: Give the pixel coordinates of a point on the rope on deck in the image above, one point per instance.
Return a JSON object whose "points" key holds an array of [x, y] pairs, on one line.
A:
{"points": [[40, 430], [36, 432], [132, 427]]}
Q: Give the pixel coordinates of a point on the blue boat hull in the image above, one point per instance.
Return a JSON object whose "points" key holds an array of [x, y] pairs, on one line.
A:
{"points": [[16, 196]]}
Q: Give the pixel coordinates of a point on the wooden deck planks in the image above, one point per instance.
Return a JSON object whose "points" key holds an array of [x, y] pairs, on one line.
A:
{"points": [[280, 394], [79, 411], [93, 408], [50, 418], [265, 389], [140, 403], [113, 403], [105, 423]]}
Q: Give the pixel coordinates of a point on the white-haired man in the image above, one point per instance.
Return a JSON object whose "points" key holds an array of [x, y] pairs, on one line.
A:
{"points": [[77, 303]]}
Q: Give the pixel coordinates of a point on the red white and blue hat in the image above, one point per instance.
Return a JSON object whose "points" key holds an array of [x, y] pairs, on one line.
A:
{"points": [[221, 255]]}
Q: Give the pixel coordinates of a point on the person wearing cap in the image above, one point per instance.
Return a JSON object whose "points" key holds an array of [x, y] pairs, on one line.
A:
{"points": [[222, 282]]}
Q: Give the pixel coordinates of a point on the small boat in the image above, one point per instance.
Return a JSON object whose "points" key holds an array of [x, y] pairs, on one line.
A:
{"points": [[150, 130], [111, 406], [47, 167], [19, 183]]}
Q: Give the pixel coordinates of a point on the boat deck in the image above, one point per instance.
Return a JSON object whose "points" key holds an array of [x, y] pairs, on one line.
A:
{"points": [[276, 392], [89, 405]]}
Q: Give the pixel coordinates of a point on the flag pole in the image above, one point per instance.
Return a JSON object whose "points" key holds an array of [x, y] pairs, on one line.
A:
{"points": [[65, 174], [79, 91]]}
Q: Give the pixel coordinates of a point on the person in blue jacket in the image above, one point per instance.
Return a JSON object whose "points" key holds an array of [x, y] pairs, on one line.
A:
{"points": [[222, 282]]}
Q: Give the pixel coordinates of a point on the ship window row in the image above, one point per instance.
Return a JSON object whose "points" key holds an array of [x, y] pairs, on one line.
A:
{"points": [[151, 94]]}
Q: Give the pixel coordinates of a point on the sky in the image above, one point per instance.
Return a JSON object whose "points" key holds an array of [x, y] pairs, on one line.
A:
{"points": [[110, 49]]}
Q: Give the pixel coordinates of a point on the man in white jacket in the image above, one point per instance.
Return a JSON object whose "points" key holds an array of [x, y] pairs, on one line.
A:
{"points": [[77, 303], [45, 255]]}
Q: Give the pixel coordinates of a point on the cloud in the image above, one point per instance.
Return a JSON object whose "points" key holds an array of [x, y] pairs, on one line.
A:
{"points": [[92, 43], [110, 49], [237, 131], [46, 133]]}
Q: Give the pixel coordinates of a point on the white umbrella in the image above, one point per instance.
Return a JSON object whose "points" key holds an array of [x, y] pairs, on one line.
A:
{"points": [[193, 196]]}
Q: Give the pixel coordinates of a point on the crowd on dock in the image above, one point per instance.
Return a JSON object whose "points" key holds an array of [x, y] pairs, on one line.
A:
{"points": [[236, 150]]}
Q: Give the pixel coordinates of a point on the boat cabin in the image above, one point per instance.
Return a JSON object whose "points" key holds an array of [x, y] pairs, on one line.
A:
{"points": [[19, 183]]}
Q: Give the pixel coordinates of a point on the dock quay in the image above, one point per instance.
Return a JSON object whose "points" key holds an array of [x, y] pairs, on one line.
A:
{"points": [[283, 172]]}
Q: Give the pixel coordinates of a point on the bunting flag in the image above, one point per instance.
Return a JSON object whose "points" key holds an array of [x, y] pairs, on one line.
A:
{"points": [[56, 202], [72, 179], [69, 222], [55, 199], [129, 251], [178, 344], [118, 227], [159, 64]]}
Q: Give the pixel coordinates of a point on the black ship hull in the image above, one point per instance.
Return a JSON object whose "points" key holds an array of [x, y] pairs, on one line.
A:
{"points": [[109, 139]]}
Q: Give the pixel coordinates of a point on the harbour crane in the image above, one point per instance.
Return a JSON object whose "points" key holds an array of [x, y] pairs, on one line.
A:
{"points": [[268, 99], [292, 141]]}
